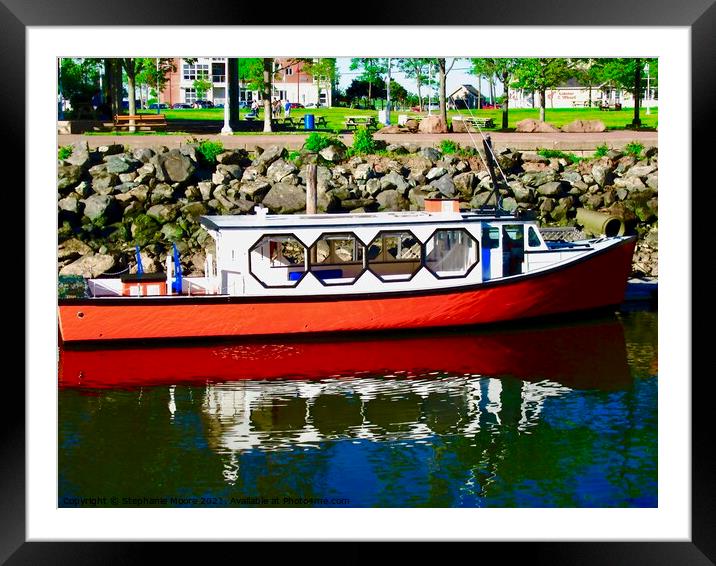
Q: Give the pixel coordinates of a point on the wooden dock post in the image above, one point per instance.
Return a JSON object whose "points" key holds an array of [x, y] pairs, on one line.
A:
{"points": [[311, 189]]}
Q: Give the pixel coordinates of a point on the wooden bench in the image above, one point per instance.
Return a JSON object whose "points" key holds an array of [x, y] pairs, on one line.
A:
{"points": [[355, 121], [607, 107], [141, 121]]}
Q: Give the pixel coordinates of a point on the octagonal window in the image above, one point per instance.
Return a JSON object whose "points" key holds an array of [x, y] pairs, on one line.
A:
{"points": [[451, 253], [394, 255], [278, 260], [337, 259]]}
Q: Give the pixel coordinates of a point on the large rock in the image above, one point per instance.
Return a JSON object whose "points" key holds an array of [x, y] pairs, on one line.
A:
{"points": [[89, 266], [68, 176], [231, 157], [535, 126], [143, 229], [163, 213], [551, 189], [585, 126], [332, 153], [285, 199], [70, 203], [98, 207], [629, 183], [435, 173], [363, 172], [72, 249], [602, 174], [280, 169], [118, 164], [433, 125], [537, 178], [640, 171], [161, 193], [429, 153], [80, 155], [395, 181], [255, 190], [445, 185], [176, 166], [269, 155], [391, 200]]}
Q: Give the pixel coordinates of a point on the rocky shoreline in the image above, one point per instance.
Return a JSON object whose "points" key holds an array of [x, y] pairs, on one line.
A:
{"points": [[114, 198]]}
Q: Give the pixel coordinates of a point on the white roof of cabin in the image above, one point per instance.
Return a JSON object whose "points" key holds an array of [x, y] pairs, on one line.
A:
{"points": [[340, 220]]}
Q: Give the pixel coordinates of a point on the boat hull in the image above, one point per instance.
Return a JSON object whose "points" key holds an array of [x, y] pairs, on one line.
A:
{"points": [[592, 282]]}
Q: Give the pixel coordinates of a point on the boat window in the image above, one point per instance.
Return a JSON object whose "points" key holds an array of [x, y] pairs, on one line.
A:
{"points": [[451, 253], [513, 250], [490, 238], [532, 238], [337, 259], [278, 260], [394, 255]]}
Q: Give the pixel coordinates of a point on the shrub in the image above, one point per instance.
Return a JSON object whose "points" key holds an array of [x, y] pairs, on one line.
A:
{"points": [[550, 153], [64, 152], [294, 156], [601, 151], [634, 149], [208, 149], [316, 142], [448, 147], [363, 142]]}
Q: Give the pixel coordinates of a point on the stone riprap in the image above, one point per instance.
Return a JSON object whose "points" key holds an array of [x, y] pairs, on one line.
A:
{"points": [[114, 198]]}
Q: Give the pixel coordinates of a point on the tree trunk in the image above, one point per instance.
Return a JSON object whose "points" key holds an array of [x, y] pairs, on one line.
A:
{"points": [[420, 98], [479, 91], [370, 91], [506, 104], [443, 108], [268, 73], [117, 76], [129, 66], [636, 122], [492, 91]]}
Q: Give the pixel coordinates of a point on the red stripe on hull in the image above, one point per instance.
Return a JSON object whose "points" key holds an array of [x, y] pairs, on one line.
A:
{"points": [[596, 282]]}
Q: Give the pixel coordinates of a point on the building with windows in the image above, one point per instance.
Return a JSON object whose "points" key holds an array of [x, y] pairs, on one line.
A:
{"points": [[291, 82], [573, 94], [466, 96]]}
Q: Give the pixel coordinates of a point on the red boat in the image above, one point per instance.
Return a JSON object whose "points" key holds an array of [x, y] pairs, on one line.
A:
{"points": [[528, 352], [334, 273]]}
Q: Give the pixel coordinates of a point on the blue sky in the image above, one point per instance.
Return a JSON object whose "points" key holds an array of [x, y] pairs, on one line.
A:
{"points": [[458, 76]]}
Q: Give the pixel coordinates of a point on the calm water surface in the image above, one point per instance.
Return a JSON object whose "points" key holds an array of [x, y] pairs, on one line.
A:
{"points": [[559, 415]]}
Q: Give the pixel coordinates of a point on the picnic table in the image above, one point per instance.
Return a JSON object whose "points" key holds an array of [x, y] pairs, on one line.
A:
{"points": [[607, 106], [297, 122], [365, 120]]}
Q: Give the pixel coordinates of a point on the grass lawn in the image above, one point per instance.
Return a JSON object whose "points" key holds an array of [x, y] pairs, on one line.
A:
{"points": [[335, 117]]}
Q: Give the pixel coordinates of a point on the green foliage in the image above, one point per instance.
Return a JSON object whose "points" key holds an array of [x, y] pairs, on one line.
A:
{"points": [[294, 156], [601, 151], [448, 147], [555, 153], [208, 149], [363, 142], [64, 152], [316, 142], [634, 149]]}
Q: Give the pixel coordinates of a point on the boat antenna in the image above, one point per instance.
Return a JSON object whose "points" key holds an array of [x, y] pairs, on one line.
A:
{"points": [[490, 160]]}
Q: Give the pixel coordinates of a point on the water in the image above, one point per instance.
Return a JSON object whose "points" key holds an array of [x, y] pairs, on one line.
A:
{"points": [[553, 415]]}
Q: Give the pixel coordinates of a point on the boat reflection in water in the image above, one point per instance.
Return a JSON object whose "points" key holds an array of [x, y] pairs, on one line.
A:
{"points": [[269, 395], [583, 355], [540, 415]]}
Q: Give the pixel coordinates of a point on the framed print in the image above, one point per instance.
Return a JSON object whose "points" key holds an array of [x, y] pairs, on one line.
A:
{"points": [[657, 518]]}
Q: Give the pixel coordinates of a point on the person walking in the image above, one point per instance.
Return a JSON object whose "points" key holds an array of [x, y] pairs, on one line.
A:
{"points": [[287, 109]]}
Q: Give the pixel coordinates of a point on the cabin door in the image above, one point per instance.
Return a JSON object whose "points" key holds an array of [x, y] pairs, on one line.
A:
{"points": [[490, 255], [513, 249]]}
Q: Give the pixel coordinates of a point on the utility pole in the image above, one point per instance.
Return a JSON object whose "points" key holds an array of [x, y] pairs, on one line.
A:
{"points": [[387, 102], [158, 111], [226, 130]]}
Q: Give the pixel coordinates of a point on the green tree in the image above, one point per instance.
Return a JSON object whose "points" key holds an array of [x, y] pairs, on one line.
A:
{"points": [[153, 73], [323, 69], [372, 69], [504, 69], [443, 70], [418, 69], [627, 74], [538, 75], [79, 79]]}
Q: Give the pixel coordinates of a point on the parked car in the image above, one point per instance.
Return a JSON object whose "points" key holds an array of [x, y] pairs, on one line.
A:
{"points": [[220, 105], [203, 104], [312, 105], [162, 106], [296, 105], [180, 106]]}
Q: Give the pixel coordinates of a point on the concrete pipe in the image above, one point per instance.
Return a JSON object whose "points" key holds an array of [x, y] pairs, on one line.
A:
{"points": [[599, 223]]}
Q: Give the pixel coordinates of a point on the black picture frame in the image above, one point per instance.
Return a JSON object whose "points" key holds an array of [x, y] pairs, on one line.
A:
{"points": [[699, 15]]}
